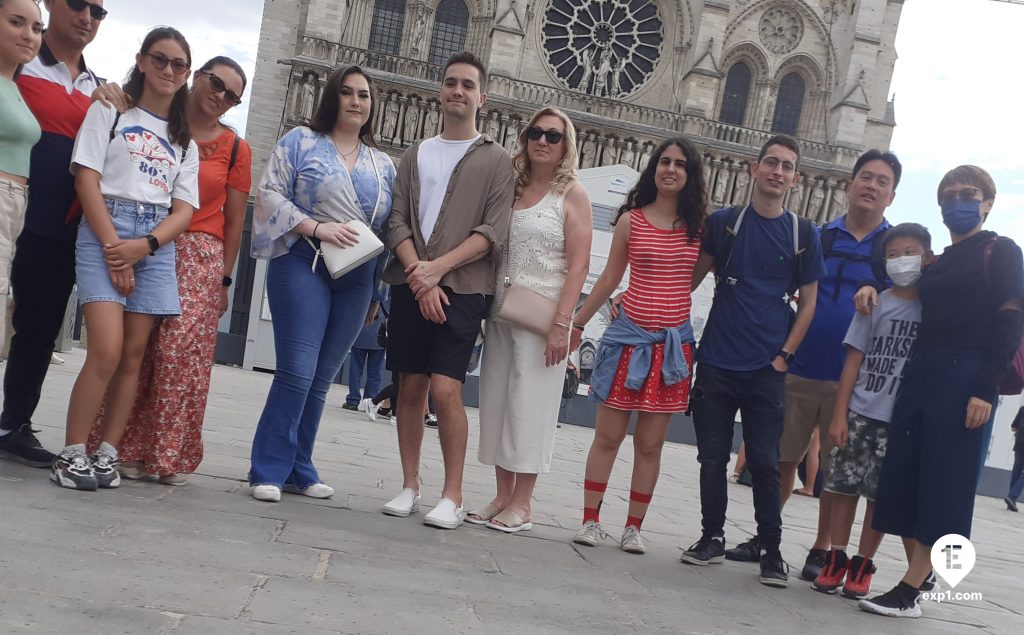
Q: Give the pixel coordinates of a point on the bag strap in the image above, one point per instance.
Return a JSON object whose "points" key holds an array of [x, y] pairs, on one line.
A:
{"points": [[380, 187], [234, 154], [113, 127]]}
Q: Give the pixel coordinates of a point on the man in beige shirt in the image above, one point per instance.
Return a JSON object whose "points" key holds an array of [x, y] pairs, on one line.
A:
{"points": [[448, 226]]}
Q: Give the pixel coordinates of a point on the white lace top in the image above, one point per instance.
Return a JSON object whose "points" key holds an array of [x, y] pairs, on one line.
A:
{"points": [[536, 249]]}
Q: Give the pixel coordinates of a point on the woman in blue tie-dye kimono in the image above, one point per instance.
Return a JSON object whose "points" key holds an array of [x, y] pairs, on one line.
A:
{"points": [[316, 180]]}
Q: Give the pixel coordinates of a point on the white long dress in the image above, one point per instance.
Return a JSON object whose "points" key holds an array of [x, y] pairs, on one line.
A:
{"points": [[519, 396]]}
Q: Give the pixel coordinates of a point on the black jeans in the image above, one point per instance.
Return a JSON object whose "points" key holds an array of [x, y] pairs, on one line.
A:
{"points": [[759, 396], [42, 276]]}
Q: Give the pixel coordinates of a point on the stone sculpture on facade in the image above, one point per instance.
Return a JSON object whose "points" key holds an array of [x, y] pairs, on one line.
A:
{"points": [[512, 135], [412, 119], [307, 97], [419, 30], [588, 151], [431, 127], [390, 129], [628, 155], [493, 126]]}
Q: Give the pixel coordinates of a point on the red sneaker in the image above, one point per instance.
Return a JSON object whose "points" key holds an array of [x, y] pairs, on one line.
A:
{"points": [[858, 582], [832, 574]]}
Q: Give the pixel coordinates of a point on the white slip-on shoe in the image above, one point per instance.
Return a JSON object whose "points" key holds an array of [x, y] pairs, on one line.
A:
{"points": [[407, 502], [176, 479], [316, 490], [446, 515], [268, 493], [369, 408], [132, 470]]}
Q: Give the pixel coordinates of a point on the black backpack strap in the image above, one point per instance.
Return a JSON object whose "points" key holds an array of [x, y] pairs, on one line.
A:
{"points": [[726, 240], [804, 227], [234, 154], [113, 127], [828, 240], [878, 258]]}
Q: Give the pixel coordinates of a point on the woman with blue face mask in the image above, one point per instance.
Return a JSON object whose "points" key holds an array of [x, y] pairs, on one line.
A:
{"points": [[971, 298]]}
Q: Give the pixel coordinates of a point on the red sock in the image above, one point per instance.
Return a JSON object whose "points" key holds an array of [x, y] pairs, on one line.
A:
{"points": [[643, 499], [593, 513], [634, 521]]}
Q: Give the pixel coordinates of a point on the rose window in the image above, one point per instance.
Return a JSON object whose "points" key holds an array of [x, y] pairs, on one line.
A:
{"points": [[607, 48], [780, 30]]}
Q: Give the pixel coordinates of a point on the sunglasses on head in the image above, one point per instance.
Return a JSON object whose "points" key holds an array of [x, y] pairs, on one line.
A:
{"points": [[160, 61], [218, 87], [534, 133], [96, 11], [965, 195]]}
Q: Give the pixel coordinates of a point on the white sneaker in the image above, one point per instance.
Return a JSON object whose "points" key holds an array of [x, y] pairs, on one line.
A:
{"points": [[408, 502], [316, 490], [631, 541], [176, 480], [446, 515], [268, 493], [589, 534], [370, 408], [56, 359]]}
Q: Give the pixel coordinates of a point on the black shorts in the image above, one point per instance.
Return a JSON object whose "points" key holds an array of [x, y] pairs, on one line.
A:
{"points": [[418, 346]]}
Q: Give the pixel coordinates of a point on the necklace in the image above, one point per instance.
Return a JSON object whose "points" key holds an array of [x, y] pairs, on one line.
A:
{"points": [[345, 155]]}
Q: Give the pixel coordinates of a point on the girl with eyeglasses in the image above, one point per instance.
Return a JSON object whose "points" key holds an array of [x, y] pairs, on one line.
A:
{"points": [[971, 302], [136, 176], [318, 182], [163, 438], [522, 372], [21, 35], [645, 357]]}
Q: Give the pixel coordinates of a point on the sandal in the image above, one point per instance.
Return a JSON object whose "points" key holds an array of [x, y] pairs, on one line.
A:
{"points": [[511, 523], [482, 516]]}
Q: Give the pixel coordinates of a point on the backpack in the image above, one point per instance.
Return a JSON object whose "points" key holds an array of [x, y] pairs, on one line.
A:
{"points": [[877, 257], [1013, 380], [802, 228]]}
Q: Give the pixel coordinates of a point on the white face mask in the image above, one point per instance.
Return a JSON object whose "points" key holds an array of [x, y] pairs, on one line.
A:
{"points": [[904, 271]]}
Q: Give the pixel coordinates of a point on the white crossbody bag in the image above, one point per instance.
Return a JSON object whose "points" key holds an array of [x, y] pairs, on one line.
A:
{"points": [[341, 260]]}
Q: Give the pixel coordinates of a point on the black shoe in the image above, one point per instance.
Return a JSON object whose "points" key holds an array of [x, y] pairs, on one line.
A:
{"points": [[350, 406], [384, 412], [813, 564], [749, 551], [931, 583], [1010, 504], [430, 421], [705, 551], [22, 446], [901, 601], [774, 570]]}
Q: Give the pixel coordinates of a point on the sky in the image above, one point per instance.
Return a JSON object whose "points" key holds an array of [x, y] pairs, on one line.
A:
{"points": [[958, 96]]}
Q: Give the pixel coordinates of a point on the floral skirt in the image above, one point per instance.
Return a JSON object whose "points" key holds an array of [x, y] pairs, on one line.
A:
{"points": [[164, 431], [654, 395]]}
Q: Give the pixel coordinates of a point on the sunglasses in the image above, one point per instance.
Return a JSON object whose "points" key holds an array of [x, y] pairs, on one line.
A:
{"points": [[534, 133], [218, 87], [965, 195], [96, 11], [160, 61]]}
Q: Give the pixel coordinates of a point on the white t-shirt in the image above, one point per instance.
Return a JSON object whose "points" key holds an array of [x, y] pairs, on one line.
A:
{"points": [[139, 164], [436, 160]]}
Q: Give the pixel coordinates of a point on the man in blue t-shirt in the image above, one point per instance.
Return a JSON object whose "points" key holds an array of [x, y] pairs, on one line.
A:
{"points": [[761, 254], [849, 247]]}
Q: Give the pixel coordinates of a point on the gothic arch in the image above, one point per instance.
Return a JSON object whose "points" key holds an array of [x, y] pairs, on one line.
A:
{"points": [[806, 66], [811, 73], [750, 54]]}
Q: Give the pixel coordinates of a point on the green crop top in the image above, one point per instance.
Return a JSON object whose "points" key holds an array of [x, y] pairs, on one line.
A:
{"points": [[19, 130]]}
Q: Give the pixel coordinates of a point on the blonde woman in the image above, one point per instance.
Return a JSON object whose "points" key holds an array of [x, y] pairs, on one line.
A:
{"points": [[522, 372]]}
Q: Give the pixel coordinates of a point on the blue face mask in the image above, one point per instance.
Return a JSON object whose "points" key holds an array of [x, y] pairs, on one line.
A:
{"points": [[961, 216]]}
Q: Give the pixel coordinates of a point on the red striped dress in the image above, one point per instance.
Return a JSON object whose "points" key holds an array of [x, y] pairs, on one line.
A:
{"points": [[661, 264]]}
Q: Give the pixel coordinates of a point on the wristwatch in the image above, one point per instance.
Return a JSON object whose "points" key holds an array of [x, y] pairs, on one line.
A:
{"points": [[154, 244], [226, 281], [786, 356]]}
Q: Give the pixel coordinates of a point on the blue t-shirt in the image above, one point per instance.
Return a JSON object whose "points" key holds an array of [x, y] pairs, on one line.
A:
{"points": [[749, 320], [821, 353]]}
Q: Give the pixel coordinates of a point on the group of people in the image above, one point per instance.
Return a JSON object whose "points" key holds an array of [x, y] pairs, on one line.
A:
{"points": [[139, 197]]}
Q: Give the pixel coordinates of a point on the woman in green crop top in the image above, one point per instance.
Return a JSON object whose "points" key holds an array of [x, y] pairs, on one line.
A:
{"points": [[21, 35]]}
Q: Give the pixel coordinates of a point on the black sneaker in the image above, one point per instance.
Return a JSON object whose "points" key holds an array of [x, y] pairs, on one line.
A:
{"points": [[350, 406], [813, 565], [430, 420], [705, 551], [22, 446], [774, 570], [931, 583], [901, 601], [73, 471], [104, 468], [749, 551], [384, 412], [1010, 504]]}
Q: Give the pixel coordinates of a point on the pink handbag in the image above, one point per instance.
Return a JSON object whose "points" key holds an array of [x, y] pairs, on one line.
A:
{"points": [[527, 308]]}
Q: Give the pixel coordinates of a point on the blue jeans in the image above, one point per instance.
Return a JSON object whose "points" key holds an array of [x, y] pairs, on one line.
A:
{"points": [[1017, 476], [759, 397], [374, 362], [316, 321]]}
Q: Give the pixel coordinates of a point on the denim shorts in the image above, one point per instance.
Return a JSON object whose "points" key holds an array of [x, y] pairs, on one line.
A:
{"points": [[156, 282]]}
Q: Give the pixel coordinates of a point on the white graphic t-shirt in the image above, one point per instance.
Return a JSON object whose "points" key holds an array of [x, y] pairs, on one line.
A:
{"points": [[139, 163], [436, 160]]}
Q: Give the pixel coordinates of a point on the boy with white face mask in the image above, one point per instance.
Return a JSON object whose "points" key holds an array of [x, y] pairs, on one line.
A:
{"points": [[878, 348]]}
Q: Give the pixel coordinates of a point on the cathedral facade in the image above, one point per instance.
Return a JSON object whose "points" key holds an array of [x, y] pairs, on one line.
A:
{"points": [[728, 74]]}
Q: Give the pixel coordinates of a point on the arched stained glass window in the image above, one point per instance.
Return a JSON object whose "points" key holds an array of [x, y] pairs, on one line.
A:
{"points": [[789, 104], [451, 21], [734, 99], [386, 28]]}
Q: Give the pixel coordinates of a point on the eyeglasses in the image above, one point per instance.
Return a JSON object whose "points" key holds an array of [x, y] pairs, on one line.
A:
{"points": [[772, 163], [218, 87], [534, 133], [965, 195], [160, 61], [96, 11]]}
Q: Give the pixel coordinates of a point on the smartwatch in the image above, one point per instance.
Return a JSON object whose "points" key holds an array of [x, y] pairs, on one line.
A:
{"points": [[154, 244], [226, 281], [786, 356]]}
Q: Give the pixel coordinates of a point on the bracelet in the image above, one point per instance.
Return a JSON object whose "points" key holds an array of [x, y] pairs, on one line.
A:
{"points": [[565, 315], [316, 228], [577, 325], [562, 324]]}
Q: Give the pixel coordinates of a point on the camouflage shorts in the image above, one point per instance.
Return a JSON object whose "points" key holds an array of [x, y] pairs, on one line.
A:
{"points": [[857, 466]]}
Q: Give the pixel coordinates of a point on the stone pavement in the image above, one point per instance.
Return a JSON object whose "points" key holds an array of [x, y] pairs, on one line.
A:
{"points": [[208, 559]]}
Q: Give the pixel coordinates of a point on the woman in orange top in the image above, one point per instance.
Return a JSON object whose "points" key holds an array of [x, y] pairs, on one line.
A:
{"points": [[164, 435]]}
